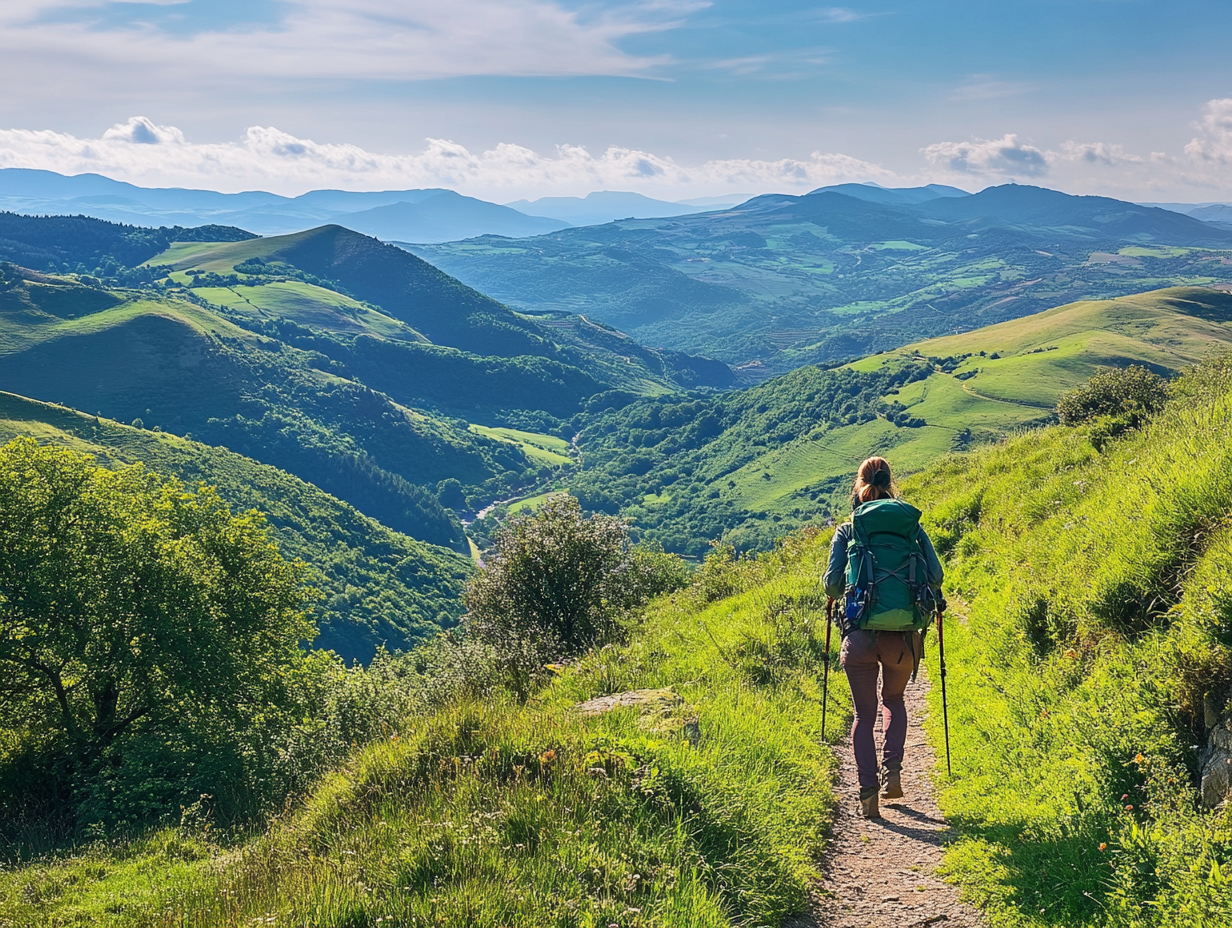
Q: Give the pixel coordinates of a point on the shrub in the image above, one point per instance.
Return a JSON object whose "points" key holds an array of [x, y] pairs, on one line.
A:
{"points": [[1131, 395], [556, 583]]}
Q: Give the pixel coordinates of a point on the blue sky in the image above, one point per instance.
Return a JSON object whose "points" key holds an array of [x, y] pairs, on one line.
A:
{"points": [[675, 98]]}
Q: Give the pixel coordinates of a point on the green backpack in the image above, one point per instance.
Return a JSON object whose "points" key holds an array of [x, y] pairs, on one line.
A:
{"points": [[887, 574]]}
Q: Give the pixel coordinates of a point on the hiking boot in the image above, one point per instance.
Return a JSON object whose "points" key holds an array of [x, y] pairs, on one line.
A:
{"points": [[891, 784], [868, 803]]}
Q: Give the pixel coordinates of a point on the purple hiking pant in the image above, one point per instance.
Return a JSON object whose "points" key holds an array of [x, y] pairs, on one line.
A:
{"points": [[863, 655]]}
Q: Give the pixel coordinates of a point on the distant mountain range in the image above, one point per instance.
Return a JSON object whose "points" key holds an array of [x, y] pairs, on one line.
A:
{"points": [[606, 205], [781, 281], [417, 216], [902, 196], [431, 215], [1217, 214]]}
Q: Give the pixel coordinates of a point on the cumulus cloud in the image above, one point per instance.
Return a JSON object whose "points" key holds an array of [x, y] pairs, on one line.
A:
{"points": [[1003, 157], [1214, 145], [1098, 153], [356, 39], [143, 152]]}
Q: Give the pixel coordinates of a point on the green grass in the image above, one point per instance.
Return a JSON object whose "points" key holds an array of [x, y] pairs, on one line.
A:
{"points": [[546, 449], [495, 814], [529, 503], [308, 305], [1092, 618]]}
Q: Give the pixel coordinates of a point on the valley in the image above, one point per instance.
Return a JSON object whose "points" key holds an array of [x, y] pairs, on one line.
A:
{"points": [[397, 445], [780, 281]]}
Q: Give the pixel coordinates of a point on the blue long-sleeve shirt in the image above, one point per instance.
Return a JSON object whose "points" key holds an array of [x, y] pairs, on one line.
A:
{"points": [[836, 570]]}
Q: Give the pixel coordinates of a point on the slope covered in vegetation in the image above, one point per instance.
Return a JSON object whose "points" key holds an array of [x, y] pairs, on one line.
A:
{"points": [[1090, 659], [705, 807], [183, 367], [749, 465], [379, 586]]}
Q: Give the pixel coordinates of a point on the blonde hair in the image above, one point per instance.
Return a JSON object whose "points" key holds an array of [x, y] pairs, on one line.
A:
{"points": [[873, 481]]}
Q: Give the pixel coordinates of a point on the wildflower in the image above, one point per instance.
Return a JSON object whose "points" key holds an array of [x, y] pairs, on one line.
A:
{"points": [[1102, 845], [1139, 759]]}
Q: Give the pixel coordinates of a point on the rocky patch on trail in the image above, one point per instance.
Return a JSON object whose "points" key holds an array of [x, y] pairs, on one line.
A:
{"points": [[664, 711]]}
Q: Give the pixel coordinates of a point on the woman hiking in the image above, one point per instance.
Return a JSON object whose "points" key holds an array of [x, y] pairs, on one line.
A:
{"points": [[887, 578]]}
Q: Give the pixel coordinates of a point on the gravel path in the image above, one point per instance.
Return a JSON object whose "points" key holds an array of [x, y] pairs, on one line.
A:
{"points": [[882, 873]]}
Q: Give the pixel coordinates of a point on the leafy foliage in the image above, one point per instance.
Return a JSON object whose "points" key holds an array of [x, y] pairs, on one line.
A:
{"points": [[1132, 393], [555, 583], [133, 612]]}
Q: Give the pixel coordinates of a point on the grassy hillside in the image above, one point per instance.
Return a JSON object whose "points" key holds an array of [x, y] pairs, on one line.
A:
{"points": [[91, 246], [181, 366], [497, 814], [749, 465], [379, 586], [780, 282], [1043, 355], [413, 297], [1090, 657]]}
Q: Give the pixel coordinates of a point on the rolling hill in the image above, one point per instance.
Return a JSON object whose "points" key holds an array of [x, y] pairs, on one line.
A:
{"points": [[181, 366], [346, 362], [748, 465], [379, 586], [445, 311], [783, 281]]}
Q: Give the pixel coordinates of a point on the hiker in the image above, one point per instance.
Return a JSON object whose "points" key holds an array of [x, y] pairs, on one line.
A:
{"points": [[887, 579]]}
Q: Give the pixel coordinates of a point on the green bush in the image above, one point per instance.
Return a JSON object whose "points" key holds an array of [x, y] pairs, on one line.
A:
{"points": [[556, 583], [1129, 394]]}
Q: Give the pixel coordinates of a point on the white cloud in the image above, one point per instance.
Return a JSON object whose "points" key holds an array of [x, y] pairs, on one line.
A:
{"points": [[1098, 153], [139, 151], [355, 39], [1003, 157], [1214, 146]]}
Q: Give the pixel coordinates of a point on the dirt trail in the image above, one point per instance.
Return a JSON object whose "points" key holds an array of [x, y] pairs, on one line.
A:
{"points": [[882, 873]]}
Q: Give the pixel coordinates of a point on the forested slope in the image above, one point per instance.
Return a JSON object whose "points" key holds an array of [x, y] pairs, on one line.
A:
{"points": [[379, 586]]}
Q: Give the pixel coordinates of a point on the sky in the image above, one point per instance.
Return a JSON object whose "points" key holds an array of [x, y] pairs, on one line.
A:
{"points": [[510, 99]]}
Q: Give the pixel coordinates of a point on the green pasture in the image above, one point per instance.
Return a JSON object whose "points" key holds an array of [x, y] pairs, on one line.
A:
{"points": [[308, 305], [221, 257], [545, 449]]}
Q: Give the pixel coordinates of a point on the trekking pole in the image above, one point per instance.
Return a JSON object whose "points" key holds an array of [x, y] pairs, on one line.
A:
{"points": [[945, 712], [825, 674]]}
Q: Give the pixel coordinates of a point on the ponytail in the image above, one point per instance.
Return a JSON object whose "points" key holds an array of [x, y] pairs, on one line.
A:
{"points": [[873, 481]]}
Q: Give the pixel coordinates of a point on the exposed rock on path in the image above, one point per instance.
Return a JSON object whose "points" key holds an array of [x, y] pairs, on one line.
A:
{"points": [[883, 872]]}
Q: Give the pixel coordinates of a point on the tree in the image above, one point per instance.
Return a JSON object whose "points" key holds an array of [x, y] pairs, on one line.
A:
{"points": [[130, 604], [556, 582]]}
